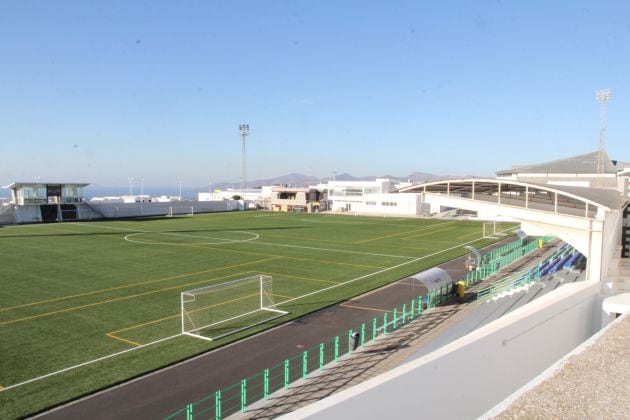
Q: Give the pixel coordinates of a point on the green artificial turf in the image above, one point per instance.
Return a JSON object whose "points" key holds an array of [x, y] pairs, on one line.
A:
{"points": [[73, 293]]}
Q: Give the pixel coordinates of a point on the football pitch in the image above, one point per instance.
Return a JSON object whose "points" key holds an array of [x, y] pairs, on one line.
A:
{"points": [[87, 305]]}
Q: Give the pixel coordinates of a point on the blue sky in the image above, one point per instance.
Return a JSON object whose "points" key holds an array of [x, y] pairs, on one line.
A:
{"points": [[100, 91]]}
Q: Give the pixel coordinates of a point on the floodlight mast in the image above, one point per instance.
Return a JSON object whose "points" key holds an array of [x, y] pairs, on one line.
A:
{"points": [[602, 96], [244, 128]]}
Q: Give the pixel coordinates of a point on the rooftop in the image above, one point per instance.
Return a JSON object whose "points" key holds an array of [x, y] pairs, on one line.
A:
{"points": [[582, 164]]}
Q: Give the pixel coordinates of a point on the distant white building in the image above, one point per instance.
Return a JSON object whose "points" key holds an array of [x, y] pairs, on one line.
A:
{"points": [[229, 194], [374, 197]]}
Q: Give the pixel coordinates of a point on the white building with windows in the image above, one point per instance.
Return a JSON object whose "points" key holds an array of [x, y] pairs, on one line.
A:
{"points": [[372, 197]]}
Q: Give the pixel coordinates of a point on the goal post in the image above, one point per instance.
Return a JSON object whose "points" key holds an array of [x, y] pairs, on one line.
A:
{"points": [[489, 229], [215, 311], [495, 230]]}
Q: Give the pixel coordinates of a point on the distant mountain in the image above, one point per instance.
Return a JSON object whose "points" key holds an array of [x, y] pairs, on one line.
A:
{"points": [[292, 179], [301, 180]]}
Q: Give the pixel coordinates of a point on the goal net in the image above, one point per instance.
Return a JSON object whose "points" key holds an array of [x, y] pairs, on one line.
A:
{"points": [[215, 311], [495, 229]]}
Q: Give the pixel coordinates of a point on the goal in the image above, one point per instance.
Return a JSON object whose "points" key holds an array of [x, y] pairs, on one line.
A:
{"points": [[213, 312], [495, 230]]}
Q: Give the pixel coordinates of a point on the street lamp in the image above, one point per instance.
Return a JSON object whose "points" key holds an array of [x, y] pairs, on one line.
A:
{"points": [[602, 96], [244, 128]]}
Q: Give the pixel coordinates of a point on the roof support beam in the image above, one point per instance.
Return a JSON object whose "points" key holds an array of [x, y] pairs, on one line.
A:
{"points": [[526, 196]]}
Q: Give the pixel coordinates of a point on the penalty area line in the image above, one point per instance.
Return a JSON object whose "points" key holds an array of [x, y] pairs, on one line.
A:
{"points": [[89, 362], [124, 340]]}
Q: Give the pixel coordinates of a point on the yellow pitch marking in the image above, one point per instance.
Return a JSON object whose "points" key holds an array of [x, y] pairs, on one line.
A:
{"points": [[301, 278], [282, 296], [111, 289], [426, 233], [469, 234], [363, 308], [400, 233], [133, 343], [118, 299]]}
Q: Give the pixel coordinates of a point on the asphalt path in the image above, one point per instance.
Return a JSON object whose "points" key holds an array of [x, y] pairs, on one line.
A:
{"points": [[165, 391]]}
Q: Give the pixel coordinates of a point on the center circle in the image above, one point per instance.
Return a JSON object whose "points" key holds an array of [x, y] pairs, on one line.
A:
{"points": [[141, 238]]}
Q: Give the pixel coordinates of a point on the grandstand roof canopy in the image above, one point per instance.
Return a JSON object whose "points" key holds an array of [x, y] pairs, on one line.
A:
{"points": [[526, 194], [17, 185], [582, 164]]}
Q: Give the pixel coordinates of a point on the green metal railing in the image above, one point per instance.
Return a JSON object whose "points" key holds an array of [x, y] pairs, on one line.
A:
{"points": [[501, 257], [240, 396], [528, 277]]}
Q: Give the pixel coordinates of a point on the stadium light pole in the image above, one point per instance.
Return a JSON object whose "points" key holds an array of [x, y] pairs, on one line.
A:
{"points": [[130, 186], [602, 96], [244, 128], [141, 186]]}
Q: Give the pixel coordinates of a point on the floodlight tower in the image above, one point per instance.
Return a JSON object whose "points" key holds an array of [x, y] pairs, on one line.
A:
{"points": [[602, 96], [244, 133]]}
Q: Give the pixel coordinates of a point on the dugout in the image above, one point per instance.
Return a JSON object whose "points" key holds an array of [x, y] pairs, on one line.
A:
{"points": [[433, 279]]}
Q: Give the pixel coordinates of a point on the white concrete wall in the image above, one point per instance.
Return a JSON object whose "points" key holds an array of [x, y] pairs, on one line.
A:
{"points": [[7, 215], [468, 377], [28, 214], [116, 210], [406, 204], [611, 238]]}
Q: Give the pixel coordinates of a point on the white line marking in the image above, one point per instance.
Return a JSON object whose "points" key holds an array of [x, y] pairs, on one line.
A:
{"points": [[332, 250], [280, 303], [88, 363], [219, 240], [378, 272]]}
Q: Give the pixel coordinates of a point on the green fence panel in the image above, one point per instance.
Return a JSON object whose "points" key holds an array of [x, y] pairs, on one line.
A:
{"points": [[321, 356], [266, 384], [243, 395], [217, 405], [374, 322]]}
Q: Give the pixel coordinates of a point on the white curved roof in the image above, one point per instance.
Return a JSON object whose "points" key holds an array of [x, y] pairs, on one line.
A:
{"points": [[578, 198]]}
